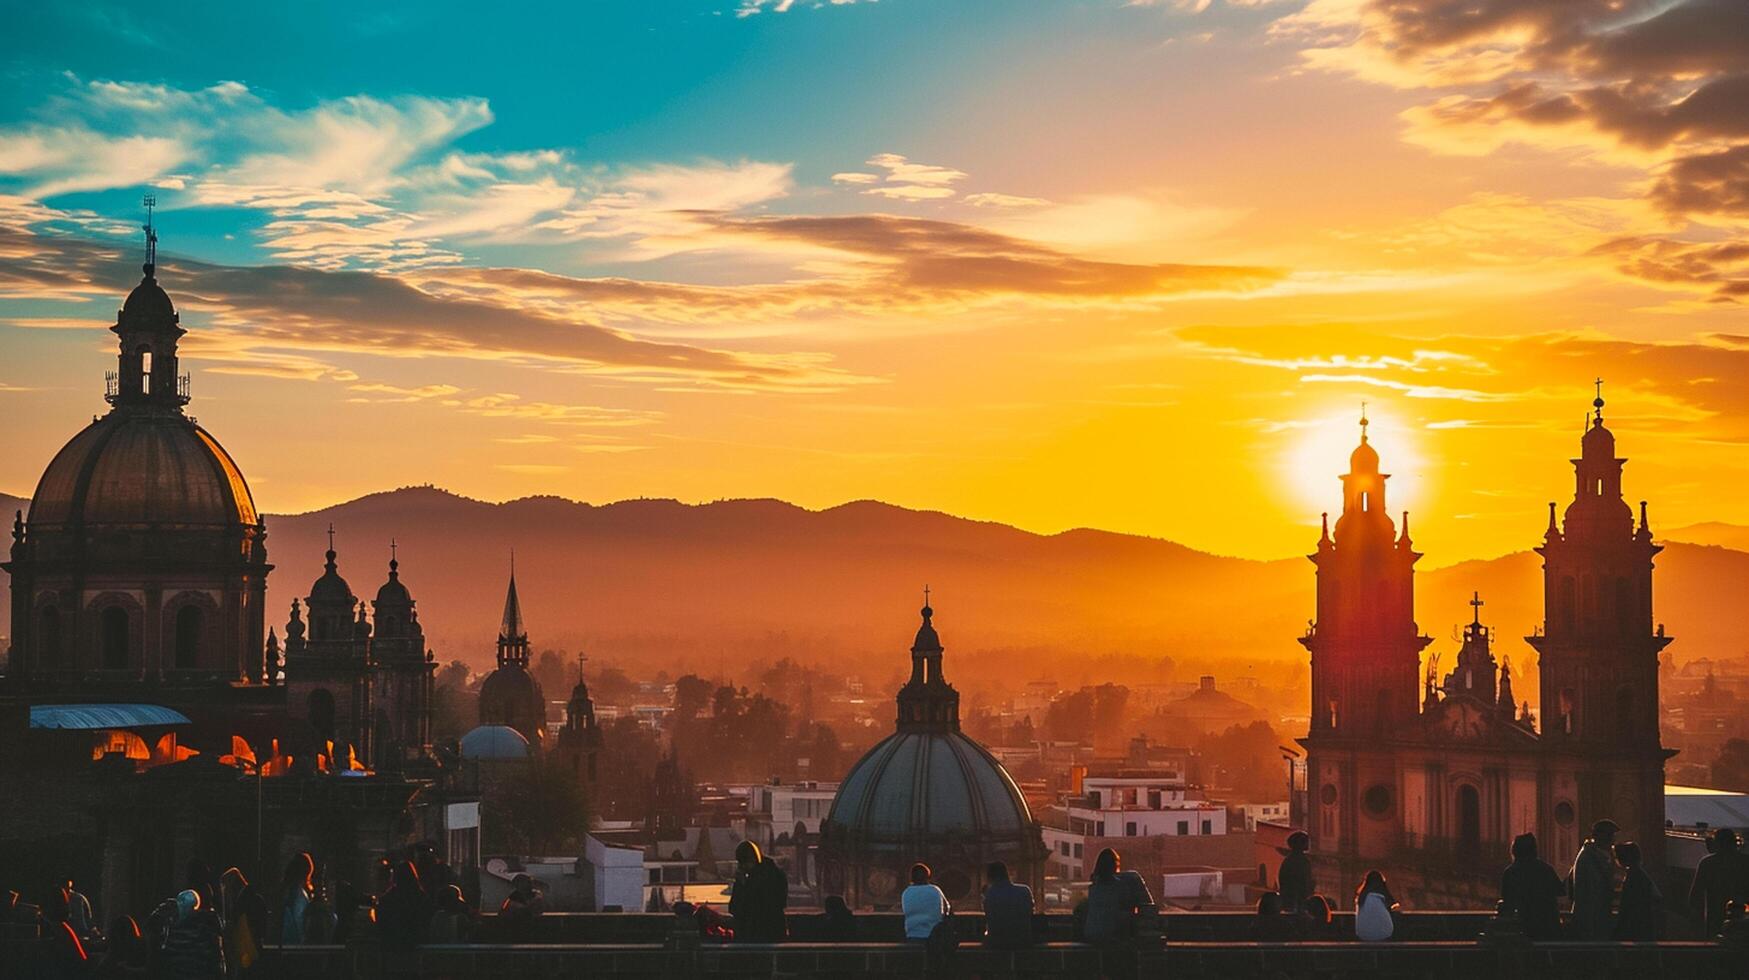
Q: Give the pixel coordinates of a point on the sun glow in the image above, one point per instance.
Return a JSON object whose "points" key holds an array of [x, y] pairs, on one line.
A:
{"points": [[1318, 456]]}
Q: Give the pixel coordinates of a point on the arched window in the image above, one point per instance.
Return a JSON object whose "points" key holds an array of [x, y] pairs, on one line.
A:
{"points": [[189, 621], [1365, 500], [48, 636], [114, 630], [146, 371], [1469, 806]]}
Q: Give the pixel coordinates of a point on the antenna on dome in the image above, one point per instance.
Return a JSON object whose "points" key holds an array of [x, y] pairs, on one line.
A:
{"points": [[150, 201]]}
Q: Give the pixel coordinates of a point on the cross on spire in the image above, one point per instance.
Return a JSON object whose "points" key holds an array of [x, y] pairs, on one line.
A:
{"points": [[150, 201], [1476, 603], [926, 595], [330, 537], [1597, 403]]}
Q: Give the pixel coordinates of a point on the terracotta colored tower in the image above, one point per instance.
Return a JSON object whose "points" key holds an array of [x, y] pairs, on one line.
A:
{"points": [[1599, 653], [1366, 653]]}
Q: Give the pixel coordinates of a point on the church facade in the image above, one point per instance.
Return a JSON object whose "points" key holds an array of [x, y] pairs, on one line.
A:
{"points": [[1430, 778]]}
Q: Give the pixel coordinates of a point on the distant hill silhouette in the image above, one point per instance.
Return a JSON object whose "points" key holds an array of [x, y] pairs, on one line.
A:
{"points": [[672, 585], [1733, 536]]}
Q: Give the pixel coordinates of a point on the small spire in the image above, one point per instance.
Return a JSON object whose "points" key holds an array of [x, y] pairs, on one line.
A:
{"points": [[1325, 537], [330, 547], [927, 610], [150, 268], [1645, 525], [394, 560], [1363, 422], [1405, 536], [1476, 603], [1597, 403], [1552, 529]]}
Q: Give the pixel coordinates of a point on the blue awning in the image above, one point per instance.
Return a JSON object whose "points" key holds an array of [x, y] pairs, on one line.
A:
{"points": [[96, 717]]}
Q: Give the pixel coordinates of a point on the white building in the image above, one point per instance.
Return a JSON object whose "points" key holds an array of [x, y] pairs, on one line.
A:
{"points": [[1266, 812], [1127, 803], [778, 809]]}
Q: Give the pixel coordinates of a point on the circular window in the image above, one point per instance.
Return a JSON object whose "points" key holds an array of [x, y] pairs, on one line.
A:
{"points": [[1328, 794], [1564, 813], [1377, 800]]}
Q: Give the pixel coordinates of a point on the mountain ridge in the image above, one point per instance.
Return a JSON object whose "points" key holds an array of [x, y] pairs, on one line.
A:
{"points": [[654, 583]]}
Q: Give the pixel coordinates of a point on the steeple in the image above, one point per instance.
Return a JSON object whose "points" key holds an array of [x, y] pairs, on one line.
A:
{"points": [[148, 327], [512, 634], [928, 702]]}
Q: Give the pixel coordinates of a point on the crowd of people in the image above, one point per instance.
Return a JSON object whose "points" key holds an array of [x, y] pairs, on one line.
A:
{"points": [[218, 926], [1611, 896]]}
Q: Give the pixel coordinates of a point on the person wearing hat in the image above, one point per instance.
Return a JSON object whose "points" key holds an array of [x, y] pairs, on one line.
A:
{"points": [[1592, 883], [1294, 879]]}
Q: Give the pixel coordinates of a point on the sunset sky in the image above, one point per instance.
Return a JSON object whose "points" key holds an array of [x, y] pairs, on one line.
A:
{"points": [[1055, 263]]}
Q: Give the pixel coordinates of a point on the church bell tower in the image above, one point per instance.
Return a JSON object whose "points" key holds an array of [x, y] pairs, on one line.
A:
{"points": [[1366, 651], [1599, 650]]}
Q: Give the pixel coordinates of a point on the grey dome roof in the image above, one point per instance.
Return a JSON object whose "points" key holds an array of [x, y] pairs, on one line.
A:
{"points": [[128, 468], [494, 742], [149, 304], [923, 784]]}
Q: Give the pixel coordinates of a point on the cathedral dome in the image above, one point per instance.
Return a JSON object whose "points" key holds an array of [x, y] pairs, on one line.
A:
{"points": [[511, 696], [392, 591], [494, 743], [928, 792], [922, 785], [140, 468]]}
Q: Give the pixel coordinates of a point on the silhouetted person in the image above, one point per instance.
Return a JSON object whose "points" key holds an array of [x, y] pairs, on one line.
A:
{"points": [[63, 955], [403, 912], [451, 921], [297, 888], [129, 955], [1007, 910], [1641, 902], [1317, 917], [321, 922], [1373, 905], [1530, 889], [202, 880], [1114, 896], [244, 915], [1719, 879], [840, 922], [1592, 883], [193, 947], [760, 894], [79, 914], [523, 905], [924, 905], [1272, 926], [1295, 877]]}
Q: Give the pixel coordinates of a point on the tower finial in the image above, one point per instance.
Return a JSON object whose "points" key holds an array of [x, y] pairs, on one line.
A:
{"points": [[1597, 403], [1476, 603], [394, 557], [151, 266], [928, 611], [330, 554], [1363, 422]]}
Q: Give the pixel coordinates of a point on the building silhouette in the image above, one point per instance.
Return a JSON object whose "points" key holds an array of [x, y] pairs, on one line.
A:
{"points": [[1432, 778]]}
